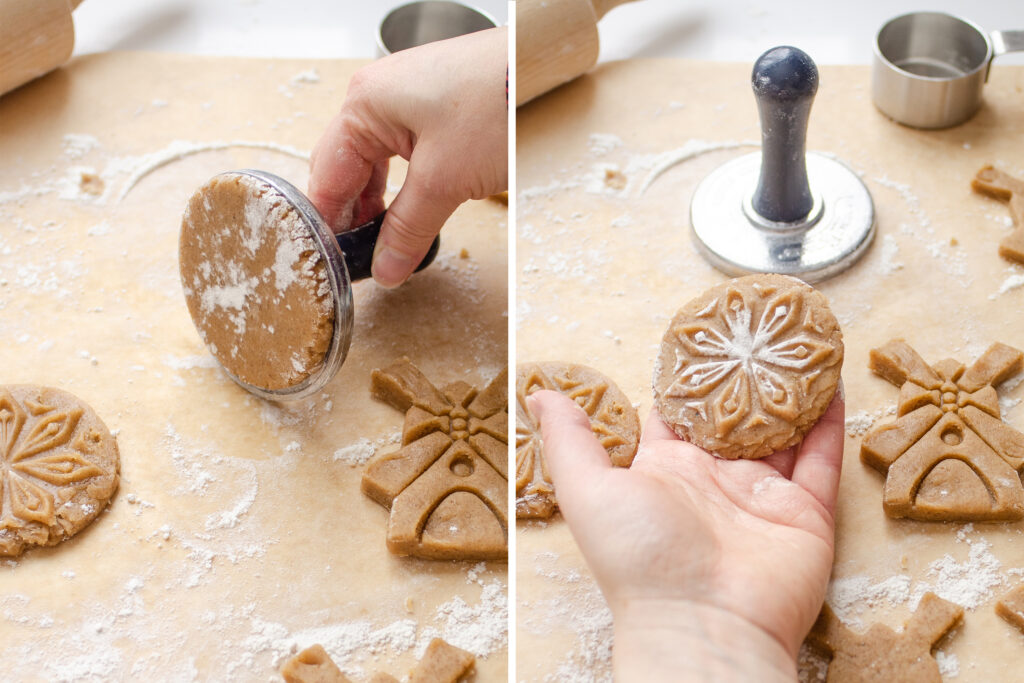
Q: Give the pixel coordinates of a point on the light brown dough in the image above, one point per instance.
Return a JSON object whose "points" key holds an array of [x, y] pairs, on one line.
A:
{"points": [[442, 663], [880, 655], [749, 366], [948, 456], [254, 282], [312, 665], [994, 183], [1011, 607], [60, 466], [447, 487], [612, 419]]}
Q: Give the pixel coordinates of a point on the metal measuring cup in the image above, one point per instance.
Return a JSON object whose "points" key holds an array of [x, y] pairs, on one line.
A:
{"points": [[929, 67], [425, 21]]}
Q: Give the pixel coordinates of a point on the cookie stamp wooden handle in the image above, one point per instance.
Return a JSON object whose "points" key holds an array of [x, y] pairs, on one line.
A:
{"points": [[36, 37], [785, 81]]}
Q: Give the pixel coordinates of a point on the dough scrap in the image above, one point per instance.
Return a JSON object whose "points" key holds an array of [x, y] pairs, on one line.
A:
{"points": [[255, 284], [749, 366], [880, 655], [441, 663], [994, 183], [612, 419], [60, 468], [447, 486], [948, 456], [1011, 607], [312, 665]]}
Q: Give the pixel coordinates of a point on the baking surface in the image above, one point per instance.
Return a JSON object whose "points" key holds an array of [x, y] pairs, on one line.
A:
{"points": [[239, 534], [606, 169]]}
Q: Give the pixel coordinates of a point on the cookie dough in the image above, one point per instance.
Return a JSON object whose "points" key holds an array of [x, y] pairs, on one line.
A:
{"points": [[255, 283], [1011, 607], [312, 665], [441, 663], [881, 655], [948, 456], [447, 487], [612, 419], [60, 466], [749, 366], [994, 183]]}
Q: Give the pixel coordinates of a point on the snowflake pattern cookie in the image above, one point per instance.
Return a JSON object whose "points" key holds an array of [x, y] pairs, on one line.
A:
{"points": [[748, 367], [60, 466], [447, 486]]}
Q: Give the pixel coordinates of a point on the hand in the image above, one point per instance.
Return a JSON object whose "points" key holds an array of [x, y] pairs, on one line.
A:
{"points": [[713, 569], [442, 107]]}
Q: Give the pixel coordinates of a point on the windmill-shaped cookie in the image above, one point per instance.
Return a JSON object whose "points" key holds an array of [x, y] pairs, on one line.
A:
{"points": [[447, 487], [881, 655], [948, 456], [994, 183]]}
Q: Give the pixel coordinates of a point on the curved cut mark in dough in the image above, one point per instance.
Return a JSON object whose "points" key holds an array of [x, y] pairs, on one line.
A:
{"points": [[447, 486], [59, 466], [753, 377], [613, 421], [948, 456]]}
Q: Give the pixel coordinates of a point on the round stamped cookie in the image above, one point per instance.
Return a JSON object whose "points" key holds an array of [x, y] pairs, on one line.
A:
{"points": [[254, 282], [748, 367], [612, 419], [60, 466]]}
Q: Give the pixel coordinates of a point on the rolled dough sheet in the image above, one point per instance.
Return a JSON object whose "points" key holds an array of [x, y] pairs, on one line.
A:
{"points": [[605, 258], [239, 534]]}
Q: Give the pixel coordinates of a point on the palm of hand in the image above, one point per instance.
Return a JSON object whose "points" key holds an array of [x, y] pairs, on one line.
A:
{"points": [[750, 537]]}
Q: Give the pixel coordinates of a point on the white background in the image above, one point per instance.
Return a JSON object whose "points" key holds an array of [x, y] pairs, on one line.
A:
{"points": [[832, 32]]}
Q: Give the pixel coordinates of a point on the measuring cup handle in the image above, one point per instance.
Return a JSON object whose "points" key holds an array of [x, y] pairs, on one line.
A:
{"points": [[785, 81], [357, 248], [1006, 41]]}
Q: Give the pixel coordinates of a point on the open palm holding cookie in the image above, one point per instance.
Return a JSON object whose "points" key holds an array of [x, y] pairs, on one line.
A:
{"points": [[697, 554]]}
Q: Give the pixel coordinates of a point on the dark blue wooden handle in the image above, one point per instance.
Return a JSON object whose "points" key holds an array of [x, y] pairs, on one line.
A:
{"points": [[785, 80], [357, 248]]}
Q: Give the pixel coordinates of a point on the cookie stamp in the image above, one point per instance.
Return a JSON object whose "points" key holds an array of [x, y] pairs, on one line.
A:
{"points": [[447, 487], [749, 366], [994, 183], [881, 655], [948, 456], [613, 421], [59, 466]]}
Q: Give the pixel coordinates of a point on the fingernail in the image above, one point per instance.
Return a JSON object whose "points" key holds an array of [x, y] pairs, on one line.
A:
{"points": [[391, 267]]}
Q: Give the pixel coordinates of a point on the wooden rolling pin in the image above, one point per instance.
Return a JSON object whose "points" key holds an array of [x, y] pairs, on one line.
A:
{"points": [[36, 36], [556, 41]]}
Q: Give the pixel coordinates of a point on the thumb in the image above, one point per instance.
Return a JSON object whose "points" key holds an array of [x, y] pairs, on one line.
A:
{"points": [[414, 219], [573, 454]]}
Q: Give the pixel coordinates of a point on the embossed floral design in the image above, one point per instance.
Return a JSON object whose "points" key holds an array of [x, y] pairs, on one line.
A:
{"points": [[612, 420], [746, 349], [38, 457]]}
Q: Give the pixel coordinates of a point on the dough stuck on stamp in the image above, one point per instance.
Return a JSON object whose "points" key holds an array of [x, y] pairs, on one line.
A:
{"points": [[447, 486], [881, 655], [60, 466], [255, 283], [748, 367], [948, 456], [612, 419]]}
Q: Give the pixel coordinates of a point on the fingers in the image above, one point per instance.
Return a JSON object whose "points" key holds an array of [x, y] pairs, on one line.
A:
{"points": [[413, 220], [371, 201], [819, 459], [655, 429], [338, 174], [573, 455]]}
